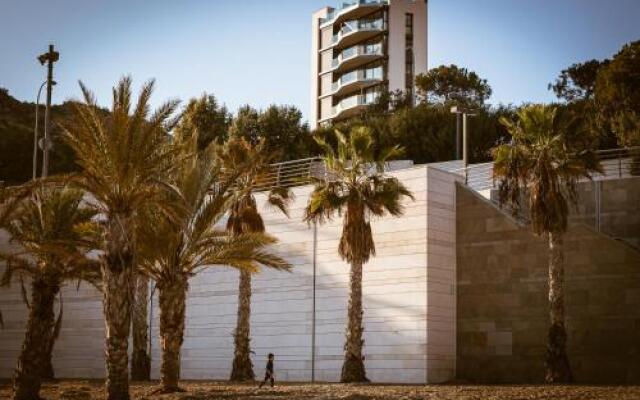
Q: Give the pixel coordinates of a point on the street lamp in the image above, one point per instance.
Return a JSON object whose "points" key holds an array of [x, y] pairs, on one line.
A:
{"points": [[465, 147], [48, 58], [35, 131]]}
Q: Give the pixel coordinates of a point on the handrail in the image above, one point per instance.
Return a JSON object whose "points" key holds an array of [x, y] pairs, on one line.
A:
{"points": [[616, 163]]}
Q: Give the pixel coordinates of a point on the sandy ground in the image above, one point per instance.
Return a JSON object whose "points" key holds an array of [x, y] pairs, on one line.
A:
{"points": [[81, 390]]}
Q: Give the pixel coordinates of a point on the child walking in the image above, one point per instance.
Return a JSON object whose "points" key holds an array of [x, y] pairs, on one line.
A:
{"points": [[268, 375]]}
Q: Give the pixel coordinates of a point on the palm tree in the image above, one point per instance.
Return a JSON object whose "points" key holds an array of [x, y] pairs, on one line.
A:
{"points": [[172, 251], [253, 164], [140, 360], [48, 229], [542, 166], [124, 157], [357, 188]]}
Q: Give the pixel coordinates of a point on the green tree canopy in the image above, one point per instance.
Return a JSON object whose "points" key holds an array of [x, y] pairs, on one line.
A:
{"points": [[280, 126], [578, 82], [451, 85], [617, 95], [206, 117], [17, 121]]}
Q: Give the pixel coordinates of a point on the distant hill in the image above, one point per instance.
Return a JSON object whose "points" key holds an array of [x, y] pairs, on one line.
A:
{"points": [[16, 139]]}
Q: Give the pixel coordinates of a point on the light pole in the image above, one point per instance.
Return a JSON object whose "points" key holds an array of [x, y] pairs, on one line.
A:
{"points": [[49, 58], [35, 131], [465, 143]]}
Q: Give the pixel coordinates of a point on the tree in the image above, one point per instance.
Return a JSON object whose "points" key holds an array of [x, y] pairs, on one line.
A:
{"points": [[140, 360], [427, 132], [543, 164], [124, 159], [48, 228], [451, 85], [578, 82], [16, 139], [576, 86], [208, 118], [617, 95], [252, 163], [174, 250], [281, 127], [359, 190], [246, 124]]}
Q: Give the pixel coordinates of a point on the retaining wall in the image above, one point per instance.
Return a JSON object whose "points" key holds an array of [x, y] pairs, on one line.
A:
{"points": [[502, 290], [409, 302]]}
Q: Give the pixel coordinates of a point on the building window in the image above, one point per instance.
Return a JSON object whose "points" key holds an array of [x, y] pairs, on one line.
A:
{"points": [[409, 62]]}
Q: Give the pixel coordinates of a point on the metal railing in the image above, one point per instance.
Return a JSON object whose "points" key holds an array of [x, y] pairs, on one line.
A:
{"points": [[616, 164], [347, 6], [302, 172], [292, 173]]}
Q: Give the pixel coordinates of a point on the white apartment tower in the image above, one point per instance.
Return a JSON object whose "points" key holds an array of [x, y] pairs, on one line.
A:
{"points": [[361, 48]]}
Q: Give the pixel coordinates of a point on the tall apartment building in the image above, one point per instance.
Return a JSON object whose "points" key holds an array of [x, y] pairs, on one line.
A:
{"points": [[361, 48]]}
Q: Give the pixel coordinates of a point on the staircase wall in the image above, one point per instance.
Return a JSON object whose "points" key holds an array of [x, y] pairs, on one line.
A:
{"points": [[502, 304]]}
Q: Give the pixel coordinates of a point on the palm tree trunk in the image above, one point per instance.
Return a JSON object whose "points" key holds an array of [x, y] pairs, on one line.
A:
{"points": [[28, 374], [172, 299], [558, 368], [117, 278], [140, 361], [47, 368], [242, 369], [353, 367]]}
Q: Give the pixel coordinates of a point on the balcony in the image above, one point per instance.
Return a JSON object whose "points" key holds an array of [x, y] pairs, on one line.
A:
{"points": [[355, 56], [352, 106], [353, 32], [352, 9], [357, 80]]}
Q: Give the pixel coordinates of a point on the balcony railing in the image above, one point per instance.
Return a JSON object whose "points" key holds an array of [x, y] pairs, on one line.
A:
{"points": [[355, 101], [360, 75], [350, 5], [352, 27], [357, 51]]}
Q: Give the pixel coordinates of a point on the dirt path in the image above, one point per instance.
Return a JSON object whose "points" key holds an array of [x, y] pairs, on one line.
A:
{"points": [[84, 390]]}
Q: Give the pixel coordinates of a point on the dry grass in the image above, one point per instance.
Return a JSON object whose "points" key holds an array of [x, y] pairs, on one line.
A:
{"points": [[82, 390]]}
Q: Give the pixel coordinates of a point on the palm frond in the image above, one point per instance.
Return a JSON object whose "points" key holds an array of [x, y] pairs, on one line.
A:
{"points": [[541, 165], [357, 190]]}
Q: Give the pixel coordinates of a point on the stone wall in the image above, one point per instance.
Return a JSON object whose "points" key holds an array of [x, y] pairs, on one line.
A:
{"points": [[408, 290], [502, 291], [611, 206]]}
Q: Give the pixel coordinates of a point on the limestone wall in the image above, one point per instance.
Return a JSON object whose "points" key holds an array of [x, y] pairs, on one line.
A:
{"points": [[409, 334], [502, 292]]}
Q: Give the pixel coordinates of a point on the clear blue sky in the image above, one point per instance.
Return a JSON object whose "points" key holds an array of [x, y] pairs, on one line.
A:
{"points": [[258, 52]]}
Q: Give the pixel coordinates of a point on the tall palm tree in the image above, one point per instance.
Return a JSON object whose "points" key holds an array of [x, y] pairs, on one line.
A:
{"points": [[253, 165], [542, 166], [124, 157], [47, 228], [140, 360], [357, 188], [172, 251]]}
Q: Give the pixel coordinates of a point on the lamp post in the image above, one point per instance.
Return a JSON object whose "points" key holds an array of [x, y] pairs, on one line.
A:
{"points": [[35, 131], [49, 58], [465, 113]]}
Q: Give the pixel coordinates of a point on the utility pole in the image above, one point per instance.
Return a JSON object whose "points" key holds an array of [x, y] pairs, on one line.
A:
{"points": [[49, 58]]}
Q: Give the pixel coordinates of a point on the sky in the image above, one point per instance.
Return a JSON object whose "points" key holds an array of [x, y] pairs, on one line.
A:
{"points": [[258, 52]]}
